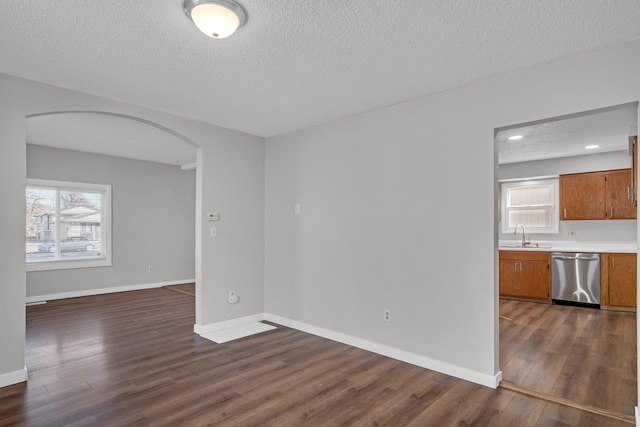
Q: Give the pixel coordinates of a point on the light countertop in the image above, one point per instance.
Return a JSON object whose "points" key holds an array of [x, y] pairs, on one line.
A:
{"points": [[570, 246]]}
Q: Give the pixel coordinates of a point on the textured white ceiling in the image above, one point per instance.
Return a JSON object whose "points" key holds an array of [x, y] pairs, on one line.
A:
{"points": [[295, 63], [110, 135], [565, 137]]}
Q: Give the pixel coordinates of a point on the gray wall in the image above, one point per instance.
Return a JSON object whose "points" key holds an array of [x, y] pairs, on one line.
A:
{"points": [[564, 165], [12, 226], [388, 197], [153, 220], [591, 231], [229, 179], [399, 209]]}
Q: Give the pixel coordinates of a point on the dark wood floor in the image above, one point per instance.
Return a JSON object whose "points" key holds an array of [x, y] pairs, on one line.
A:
{"points": [[584, 355], [184, 288], [132, 359]]}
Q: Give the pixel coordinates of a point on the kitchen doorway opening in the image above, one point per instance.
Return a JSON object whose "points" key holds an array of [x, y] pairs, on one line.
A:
{"points": [[580, 356]]}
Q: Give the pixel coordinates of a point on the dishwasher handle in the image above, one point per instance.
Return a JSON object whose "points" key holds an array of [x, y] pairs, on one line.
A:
{"points": [[577, 257]]}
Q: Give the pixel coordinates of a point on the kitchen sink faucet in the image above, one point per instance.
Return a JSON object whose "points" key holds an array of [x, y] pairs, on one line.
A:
{"points": [[525, 242]]}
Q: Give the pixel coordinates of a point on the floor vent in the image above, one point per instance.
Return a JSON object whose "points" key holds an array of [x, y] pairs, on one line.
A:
{"points": [[236, 332]]}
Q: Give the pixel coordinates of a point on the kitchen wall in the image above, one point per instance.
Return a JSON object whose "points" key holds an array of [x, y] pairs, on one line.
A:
{"points": [[153, 220], [398, 211], [591, 231], [564, 165]]}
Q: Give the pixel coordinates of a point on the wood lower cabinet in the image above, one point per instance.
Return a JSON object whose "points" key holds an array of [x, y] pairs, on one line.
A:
{"points": [[618, 280], [597, 195], [525, 275]]}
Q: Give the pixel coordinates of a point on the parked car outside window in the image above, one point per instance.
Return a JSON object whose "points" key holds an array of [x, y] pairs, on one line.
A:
{"points": [[70, 244]]}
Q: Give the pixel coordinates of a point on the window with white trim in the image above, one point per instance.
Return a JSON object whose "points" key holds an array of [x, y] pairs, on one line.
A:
{"points": [[68, 225], [531, 202]]}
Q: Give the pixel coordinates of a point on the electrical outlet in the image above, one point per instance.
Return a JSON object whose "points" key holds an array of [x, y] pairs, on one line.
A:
{"points": [[387, 315], [149, 269], [233, 297]]}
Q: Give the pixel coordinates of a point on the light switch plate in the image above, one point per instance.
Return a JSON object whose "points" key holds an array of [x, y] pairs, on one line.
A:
{"points": [[213, 216]]}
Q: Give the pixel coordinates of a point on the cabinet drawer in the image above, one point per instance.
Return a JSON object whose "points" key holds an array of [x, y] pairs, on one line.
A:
{"points": [[525, 255]]}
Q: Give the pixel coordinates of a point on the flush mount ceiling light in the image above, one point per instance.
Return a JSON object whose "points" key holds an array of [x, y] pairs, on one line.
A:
{"points": [[591, 147], [215, 18], [515, 137]]}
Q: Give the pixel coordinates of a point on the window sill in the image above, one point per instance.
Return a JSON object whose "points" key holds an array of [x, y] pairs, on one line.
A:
{"points": [[69, 264]]}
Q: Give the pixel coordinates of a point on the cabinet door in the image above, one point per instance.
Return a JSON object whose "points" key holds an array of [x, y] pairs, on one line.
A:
{"points": [[619, 203], [534, 279], [509, 277], [622, 280], [582, 196]]}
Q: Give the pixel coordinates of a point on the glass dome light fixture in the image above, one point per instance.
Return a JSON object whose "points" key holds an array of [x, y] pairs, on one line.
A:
{"points": [[215, 18]]}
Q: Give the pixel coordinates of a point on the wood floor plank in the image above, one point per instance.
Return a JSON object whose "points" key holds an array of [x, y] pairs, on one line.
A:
{"points": [[517, 369], [545, 372], [584, 355], [451, 407], [572, 384], [132, 359], [184, 288], [522, 411]]}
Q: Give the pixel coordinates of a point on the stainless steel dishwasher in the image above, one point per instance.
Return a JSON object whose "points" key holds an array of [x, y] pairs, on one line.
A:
{"points": [[575, 279]]}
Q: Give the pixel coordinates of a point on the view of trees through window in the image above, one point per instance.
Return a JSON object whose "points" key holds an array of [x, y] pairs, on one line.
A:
{"points": [[63, 223]]}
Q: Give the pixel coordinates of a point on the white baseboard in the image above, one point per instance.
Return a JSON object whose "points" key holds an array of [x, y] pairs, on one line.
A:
{"points": [[435, 365], [15, 377], [84, 293], [212, 327]]}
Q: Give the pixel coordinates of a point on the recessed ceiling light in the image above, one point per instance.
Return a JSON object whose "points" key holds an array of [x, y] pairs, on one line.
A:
{"points": [[591, 147], [515, 137]]}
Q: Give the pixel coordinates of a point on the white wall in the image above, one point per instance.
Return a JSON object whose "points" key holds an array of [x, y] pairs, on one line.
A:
{"points": [[230, 180], [153, 220], [399, 209], [591, 231], [563, 165]]}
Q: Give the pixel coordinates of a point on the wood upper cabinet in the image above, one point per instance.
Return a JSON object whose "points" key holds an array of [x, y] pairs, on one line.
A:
{"points": [[618, 196], [596, 195], [582, 196], [618, 280], [525, 275]]}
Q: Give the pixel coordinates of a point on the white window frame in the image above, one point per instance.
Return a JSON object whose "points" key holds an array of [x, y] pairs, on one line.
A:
{"points": [[526, 182], [104, 260]]}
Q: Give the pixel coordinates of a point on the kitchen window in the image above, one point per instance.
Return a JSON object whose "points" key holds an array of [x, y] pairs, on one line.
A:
{"points": [[68, 225], [532, 202]]}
